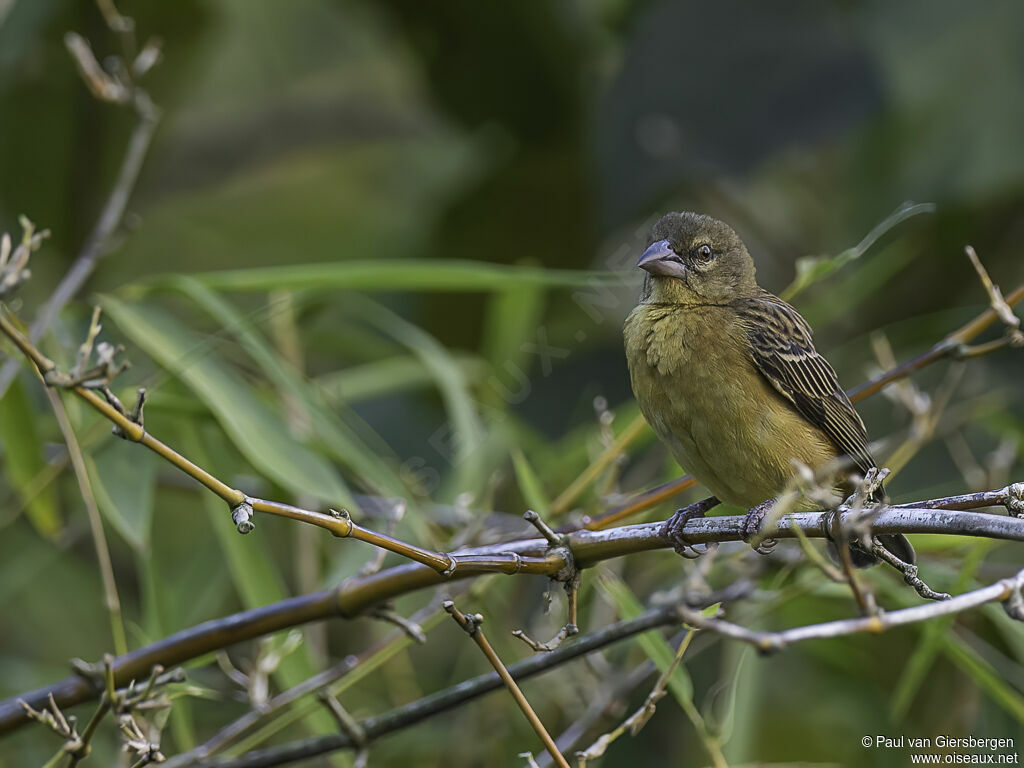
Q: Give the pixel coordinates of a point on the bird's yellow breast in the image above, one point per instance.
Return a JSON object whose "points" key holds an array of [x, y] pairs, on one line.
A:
{"points": [[699, 389]]}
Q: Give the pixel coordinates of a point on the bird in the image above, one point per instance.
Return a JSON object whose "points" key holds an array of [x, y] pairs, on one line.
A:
{"points": [[727, 375]]}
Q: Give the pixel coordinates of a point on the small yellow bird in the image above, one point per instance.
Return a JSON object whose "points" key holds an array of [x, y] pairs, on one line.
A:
{"points": [[727, 375]]}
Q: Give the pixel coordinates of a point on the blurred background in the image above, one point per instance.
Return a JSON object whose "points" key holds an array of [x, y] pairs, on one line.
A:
{"points": [[402, 136]]}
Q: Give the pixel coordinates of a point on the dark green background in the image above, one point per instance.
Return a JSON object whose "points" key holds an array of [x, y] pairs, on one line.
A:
{"points": [[548, 134]]}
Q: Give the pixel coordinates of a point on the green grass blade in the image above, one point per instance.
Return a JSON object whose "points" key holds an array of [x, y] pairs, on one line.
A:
{"points": [[123, 477], [344, 444], [23, 454], [392, 275], [257, 430]]}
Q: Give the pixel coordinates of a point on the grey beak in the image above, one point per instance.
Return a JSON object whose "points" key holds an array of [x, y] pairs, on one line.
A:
{"points": [[660, 259]]}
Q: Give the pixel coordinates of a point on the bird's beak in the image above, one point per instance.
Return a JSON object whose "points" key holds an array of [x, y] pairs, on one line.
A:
{"points": [[660, 259]]}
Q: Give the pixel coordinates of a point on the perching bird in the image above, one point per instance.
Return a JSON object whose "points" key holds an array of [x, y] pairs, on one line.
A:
{"points": [[727, 375]]}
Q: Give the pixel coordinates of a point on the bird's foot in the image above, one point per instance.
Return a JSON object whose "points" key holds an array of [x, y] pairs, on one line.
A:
{"points": [[674, 527], [870, 490], [750, 528]]}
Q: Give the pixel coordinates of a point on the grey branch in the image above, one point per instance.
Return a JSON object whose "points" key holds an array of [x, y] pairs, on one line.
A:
{"points": [[1007, 591], [589, 547]]}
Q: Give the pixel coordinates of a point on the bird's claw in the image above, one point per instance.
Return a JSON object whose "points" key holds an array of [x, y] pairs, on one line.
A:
{"points": [[674, 526], [750, 528]]}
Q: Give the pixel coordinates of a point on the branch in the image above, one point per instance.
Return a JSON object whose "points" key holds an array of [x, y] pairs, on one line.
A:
{"points": [[471, 626], [242, 506], [450, 698], [357, 594], [1007, 591], [118, 87]]}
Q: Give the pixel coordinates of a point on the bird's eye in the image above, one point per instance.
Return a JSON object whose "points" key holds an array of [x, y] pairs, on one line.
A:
{"points": [[703, 253]]}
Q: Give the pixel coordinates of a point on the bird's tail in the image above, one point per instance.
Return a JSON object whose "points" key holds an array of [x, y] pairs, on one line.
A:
{"points": [[898, 544]]}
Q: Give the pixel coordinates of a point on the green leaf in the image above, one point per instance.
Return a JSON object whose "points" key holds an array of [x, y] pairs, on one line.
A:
{"points": [[26, 469], [467, 434], [256, 580], [934, 636], [255, 428], [654, 645], [987, 678], [394, 275], [811, 269], [389, 376], [344, 444], [123, 477], [530, 485], [513, 321]]}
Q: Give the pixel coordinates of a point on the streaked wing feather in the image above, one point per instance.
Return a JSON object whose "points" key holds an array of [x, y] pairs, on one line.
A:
{"points": [[783, 350]]}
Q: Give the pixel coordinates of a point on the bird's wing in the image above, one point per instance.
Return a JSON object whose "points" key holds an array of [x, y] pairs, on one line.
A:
{"points": [[781, 347]]}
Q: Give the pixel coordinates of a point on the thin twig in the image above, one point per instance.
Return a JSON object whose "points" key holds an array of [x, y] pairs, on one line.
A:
{"points": [[324, 680], [408, 626], [338, 523], [569, 576], [349, 726], [1005, 591], [452, 697], [471, 625], [147, 117], [355, 595], [636, 721], [569, 629], [996, 300], [632, 431]]}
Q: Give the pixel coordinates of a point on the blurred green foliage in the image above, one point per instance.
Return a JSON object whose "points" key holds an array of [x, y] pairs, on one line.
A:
{"points": [[433, 202]]}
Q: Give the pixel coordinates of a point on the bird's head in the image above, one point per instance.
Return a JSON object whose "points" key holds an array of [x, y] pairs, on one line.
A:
{"points": [[695, 259]]}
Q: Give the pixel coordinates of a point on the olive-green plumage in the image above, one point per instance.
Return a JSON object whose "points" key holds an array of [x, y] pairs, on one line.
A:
{"points": [[727, 373]]}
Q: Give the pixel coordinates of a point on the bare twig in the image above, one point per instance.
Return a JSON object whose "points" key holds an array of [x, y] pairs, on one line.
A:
{"points": [[338, 523], [636, 721], [349, 726], [65, 727], [117, 87], [1004, 591], [632, 431], [1007, 591], [324, 680], [122, 702], [14, 263], [450, 698], [569, 577], [996, 300], [589, 547], [408, 626], [471, 625]]}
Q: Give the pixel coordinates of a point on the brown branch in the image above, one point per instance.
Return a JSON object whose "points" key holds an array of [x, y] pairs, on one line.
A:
{"points": [[449, 698], [357, 594], [1007, 591], [471, 625], [337, 523]]}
